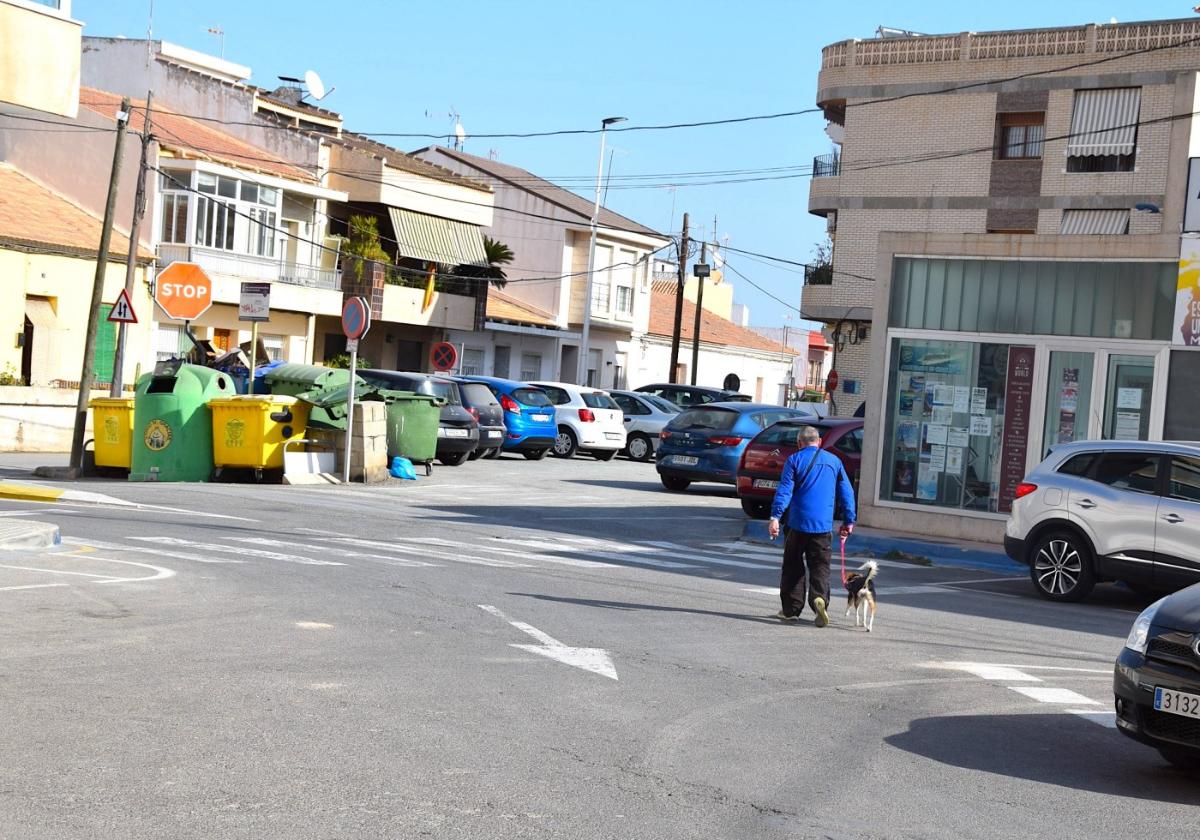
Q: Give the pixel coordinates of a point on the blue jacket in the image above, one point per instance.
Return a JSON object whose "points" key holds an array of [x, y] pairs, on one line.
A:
{"points": [[809, 505]]}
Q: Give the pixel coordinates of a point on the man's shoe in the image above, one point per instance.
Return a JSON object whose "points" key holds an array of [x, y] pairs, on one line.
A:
{"points": [[782, 616], [822, 616]]}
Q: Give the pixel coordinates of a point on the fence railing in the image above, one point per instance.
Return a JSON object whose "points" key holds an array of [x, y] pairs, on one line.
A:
{"points": [[251, 267], [826, 166]]}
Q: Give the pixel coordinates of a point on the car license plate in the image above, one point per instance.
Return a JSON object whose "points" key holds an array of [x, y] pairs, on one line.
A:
{"points": [[1177, 702], [685, 460], [493, 433], [539, 418], [456, 433], [766, 484], [612, 435]]}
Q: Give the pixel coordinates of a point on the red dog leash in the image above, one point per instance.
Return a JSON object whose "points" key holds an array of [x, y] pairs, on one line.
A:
{"points": [[843, 562]]}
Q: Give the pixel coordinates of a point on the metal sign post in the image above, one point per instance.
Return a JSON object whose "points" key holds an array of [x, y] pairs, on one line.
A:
{"points": [[254, 306], [356, 320]]}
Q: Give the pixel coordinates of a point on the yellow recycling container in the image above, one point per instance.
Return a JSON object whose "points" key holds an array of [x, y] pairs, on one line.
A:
{"points": [[250, 431], [112, 430]]}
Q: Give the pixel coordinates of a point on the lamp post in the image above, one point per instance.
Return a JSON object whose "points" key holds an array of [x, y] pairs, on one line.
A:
{"points": [[581, 370]]}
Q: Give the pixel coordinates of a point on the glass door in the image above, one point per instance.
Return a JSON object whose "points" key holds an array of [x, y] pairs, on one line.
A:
{"points": [[1127, 396], [1068, 397]]}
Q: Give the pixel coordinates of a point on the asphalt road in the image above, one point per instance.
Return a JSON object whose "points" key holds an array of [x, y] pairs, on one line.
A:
{"points": [[525, 650]]}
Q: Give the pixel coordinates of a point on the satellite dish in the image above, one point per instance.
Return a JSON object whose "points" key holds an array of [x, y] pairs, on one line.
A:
{"points": [[316, 88]]}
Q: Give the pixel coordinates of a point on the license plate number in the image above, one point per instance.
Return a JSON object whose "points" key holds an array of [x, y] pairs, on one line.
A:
{"points": [[493, 433], [766, 484], [1177, 702], [539, 418], [685, 460], [456, 433]]}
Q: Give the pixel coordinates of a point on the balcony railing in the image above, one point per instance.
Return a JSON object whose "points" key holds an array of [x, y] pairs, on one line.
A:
{"points": [[826, 166], [818, 275], [250, 267]]}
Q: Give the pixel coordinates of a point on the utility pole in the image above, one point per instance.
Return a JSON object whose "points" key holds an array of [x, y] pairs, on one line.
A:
{"points": [[701, 276], [139, 210], [683, 250], [89, 340]]}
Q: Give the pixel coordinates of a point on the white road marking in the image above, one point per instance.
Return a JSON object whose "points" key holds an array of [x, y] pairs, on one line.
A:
{"points": [[55, 571], [313, 625], [231, 549], [1105, 719], [987, 671], [703, 554], [619, 556], [595, 660], [31, 586], [398, 561], [1046, 694], [137, 549], [424, 550]]}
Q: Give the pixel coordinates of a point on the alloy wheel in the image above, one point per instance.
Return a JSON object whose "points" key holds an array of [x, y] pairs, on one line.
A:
{"points": [[638, 447], [1058, 567]]}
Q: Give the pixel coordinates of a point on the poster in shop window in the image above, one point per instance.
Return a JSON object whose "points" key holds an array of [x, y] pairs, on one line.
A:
{"points": [[1014, 438], [979, 400], [937, 458], [962, 399], [958, 437], [907, 436], [1068, 403], [927, 483], [954, 460], [935, 434], [907, 399], [904, 480]]}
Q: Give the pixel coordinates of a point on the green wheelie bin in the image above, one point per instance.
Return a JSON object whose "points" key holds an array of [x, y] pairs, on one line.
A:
{"points": [[172, 423], [412, 425], [325, 389]]}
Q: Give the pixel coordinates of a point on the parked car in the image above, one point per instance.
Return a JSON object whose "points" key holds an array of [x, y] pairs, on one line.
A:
{"points": [[762, 462], [528, 416], [686, 396], [588, 420], [1157, 679], [705, 444], [458, 431], [645, 417], [482, 404], [1109, 510]]}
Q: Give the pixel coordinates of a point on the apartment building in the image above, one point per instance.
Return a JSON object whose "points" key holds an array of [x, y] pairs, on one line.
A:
{"points": [[39, 55], [1005, 209]]}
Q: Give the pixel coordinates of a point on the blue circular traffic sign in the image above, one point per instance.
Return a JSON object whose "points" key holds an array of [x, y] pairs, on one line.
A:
{"points": [[356, 318]]}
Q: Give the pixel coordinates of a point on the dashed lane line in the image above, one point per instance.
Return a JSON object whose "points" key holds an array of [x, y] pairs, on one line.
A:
{"points": [[1054, 697]]}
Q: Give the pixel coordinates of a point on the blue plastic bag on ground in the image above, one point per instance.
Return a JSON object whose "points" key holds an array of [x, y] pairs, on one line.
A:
{"points": [[403, 468]]}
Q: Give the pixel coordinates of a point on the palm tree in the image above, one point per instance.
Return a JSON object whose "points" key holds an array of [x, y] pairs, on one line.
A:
{"points": [[498, 255]]}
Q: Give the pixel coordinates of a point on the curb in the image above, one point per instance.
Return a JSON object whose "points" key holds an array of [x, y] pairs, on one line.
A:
{"points": [[28, 535], [40, 493], [934, 554]]}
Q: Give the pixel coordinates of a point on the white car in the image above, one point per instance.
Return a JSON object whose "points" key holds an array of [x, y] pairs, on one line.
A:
{"points": [[645, 417], [588, 420]]}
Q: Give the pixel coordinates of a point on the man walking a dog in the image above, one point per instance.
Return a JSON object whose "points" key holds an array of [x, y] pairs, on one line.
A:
{"points": [[811, 480]]}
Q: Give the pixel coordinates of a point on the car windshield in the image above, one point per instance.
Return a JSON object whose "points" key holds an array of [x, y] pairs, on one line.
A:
{"points": [[479, 394], [665, 406], [712, 419], [531, 396], [446, 390], [596, 399]]}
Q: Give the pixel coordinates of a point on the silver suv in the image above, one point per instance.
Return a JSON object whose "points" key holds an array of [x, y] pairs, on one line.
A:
{"points": [[1109, 510]]}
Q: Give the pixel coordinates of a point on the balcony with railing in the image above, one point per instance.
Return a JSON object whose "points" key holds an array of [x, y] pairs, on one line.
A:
{"points": [[250, 267], [826, 166]]}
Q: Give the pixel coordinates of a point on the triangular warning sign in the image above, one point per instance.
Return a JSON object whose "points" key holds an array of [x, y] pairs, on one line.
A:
{"points": [[122, 310]]}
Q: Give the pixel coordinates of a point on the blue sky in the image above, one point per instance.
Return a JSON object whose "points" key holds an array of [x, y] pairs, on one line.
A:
{"points": [[534, 65]]}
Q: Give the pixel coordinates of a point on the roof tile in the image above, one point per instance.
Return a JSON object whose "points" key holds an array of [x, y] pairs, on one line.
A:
{"points": [[713, 328]]}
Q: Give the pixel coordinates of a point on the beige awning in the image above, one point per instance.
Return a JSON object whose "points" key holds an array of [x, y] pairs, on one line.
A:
{"points": [[1104, 122], [40, 313], [437, 240], [1095, 222]]}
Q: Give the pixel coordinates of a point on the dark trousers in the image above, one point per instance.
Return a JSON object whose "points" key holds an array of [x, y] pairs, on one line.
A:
{"points": [[803, 553]]}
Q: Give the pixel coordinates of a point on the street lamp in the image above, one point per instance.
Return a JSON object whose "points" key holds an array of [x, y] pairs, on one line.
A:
{"points": [[581, 371]]}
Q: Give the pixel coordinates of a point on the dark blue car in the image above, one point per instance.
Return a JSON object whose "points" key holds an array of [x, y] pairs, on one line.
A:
{"points": [[529, 426], [706, 443]]}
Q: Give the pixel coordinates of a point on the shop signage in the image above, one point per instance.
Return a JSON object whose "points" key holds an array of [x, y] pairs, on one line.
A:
{"points": [[1014, 442], [1191, 207], [1186, 328], [255, 302]]}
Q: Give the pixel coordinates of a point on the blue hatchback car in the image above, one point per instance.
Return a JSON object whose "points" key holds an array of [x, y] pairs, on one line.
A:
{"points": [[706, 443], [528, 416]]}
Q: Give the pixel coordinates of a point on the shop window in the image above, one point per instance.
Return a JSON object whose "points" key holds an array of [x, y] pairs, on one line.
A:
{"points": [[956, 423], [1182, 421], [1021, 136]]}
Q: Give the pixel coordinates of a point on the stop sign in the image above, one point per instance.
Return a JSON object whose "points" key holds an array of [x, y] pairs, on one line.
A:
{"points": [[183, 291]]}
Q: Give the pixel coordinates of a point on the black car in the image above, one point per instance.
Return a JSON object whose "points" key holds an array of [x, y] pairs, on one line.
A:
{"points": [[687, 396], [482, 404], [458, 431], [1157, 678]]}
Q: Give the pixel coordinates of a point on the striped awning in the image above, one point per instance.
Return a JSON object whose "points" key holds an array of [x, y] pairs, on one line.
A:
{"points": [[1104, 122], [437, 240], [1095, 222]]}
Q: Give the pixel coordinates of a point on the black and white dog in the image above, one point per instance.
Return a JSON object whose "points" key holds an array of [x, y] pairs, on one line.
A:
{"points": [[860, 594]]}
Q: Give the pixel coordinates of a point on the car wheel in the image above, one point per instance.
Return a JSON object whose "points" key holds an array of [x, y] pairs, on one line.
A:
{"points": [[476, 454], [673, 483], [638, 447], [535, 454], [1181, 758], [756, 509], [565, 443], [453, 459], [604, 454], [1061, 567], [493, 452]]}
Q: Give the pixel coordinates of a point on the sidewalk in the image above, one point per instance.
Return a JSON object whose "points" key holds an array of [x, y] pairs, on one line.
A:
{"points": [[915, 548]]}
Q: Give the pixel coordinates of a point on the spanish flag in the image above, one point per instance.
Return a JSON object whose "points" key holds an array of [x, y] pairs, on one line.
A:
{"points": [[428, 301]]}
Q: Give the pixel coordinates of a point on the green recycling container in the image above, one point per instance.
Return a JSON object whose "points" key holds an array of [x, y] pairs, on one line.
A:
{"points": [[172, 423], [412, 424], [325, 389]]}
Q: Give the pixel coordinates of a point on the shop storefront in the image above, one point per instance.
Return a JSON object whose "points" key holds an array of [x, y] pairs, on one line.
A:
{"points": [[989, 363]]}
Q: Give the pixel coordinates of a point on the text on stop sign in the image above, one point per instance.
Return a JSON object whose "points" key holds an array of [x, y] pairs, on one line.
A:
{"points": [[183, 290]]}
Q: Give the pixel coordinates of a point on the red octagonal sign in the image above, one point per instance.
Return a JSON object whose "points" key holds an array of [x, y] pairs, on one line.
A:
{"points": [[832, 382], [183, 291]]}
